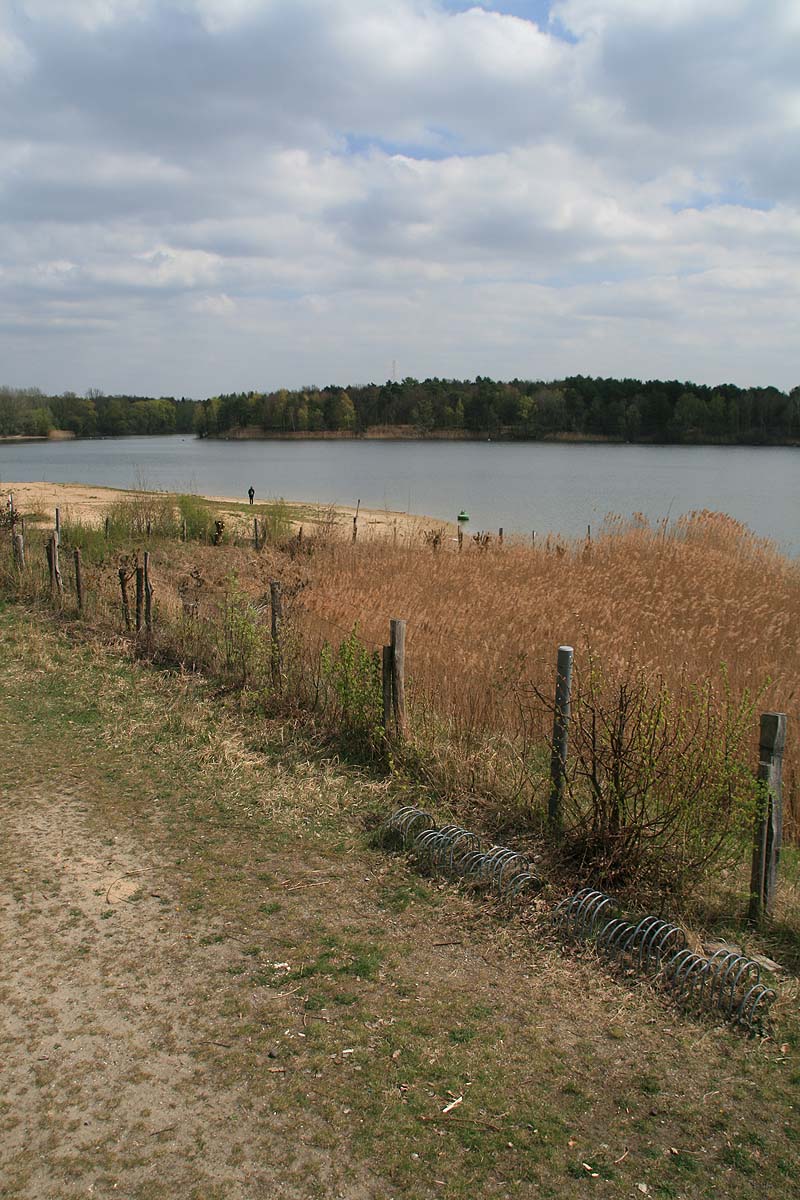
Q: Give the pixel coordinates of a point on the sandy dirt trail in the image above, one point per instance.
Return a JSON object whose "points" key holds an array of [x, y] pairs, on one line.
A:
{"points": [[107, 1019]]}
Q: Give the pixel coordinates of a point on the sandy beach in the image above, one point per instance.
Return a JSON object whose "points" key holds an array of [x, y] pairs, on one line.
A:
{"points": [[89, 504]]}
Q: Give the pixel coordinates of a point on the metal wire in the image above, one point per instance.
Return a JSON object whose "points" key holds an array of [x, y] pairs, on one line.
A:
{"points": [[459, 852], [726, 982]]}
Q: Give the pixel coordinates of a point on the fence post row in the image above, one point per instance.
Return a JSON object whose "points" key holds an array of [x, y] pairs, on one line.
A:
{"points": [[769, 821], [277, 614], [558, 760]]}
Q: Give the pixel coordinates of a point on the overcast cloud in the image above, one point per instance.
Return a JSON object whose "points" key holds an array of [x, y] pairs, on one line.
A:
{"points": [[212, 195]]}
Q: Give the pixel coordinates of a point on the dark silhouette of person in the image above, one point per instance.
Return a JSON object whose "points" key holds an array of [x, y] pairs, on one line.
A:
{"points": [[251, 491]]}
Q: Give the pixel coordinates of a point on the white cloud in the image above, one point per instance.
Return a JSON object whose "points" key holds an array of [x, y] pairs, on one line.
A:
{"points": [[263, 191]]}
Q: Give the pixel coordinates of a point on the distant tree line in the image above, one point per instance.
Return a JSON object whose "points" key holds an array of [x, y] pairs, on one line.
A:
{"points": [[619, 409], [579, 406], [31, 413]]}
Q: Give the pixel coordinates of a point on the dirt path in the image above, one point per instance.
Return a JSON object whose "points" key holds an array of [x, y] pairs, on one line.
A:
{"points": [[106, 1080]]}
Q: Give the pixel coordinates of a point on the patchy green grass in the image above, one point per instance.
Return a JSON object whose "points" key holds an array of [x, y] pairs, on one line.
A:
{"points": [[422, 1046]]}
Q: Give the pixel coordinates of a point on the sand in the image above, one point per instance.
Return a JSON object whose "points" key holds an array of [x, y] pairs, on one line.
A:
{"points": [[89, 504]]}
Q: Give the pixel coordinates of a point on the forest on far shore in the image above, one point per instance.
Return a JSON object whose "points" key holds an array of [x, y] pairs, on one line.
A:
{"points": [[578, 406]]}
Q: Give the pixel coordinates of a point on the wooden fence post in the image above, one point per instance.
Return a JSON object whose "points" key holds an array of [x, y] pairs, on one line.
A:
{"points": [[277, 614], [123, 587], [78, 579], [558, 760], [139, 597], [19, 551], [56, 585], [769, 821], [148, 594], [107, 526], [255, 533], [398, 649], [58, 526], [460, 538], [386, 687], [500, 535]]}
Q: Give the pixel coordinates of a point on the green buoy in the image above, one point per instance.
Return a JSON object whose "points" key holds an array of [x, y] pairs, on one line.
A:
{"points": [[463, 516]]}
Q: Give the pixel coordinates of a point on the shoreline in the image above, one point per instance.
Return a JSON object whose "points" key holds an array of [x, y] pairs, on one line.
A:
{"points": [[90, 502]]}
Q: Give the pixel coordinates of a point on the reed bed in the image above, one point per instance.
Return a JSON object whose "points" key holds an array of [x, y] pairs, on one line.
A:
{"points": [[685, 602]]}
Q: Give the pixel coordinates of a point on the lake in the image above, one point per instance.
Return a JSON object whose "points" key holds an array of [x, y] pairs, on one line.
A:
{"points": [[522, 486]]}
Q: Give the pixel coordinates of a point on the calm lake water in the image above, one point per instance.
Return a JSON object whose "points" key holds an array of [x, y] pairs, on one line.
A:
{"points": [[521, 486]]}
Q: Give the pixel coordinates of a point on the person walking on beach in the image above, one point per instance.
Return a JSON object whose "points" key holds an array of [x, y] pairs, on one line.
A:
{"points": [[251, 491]]}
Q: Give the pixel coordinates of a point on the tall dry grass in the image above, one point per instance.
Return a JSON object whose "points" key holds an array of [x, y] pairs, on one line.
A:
{"points": [[484, 625]]}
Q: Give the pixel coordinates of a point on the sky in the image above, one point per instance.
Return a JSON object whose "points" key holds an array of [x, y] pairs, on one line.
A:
{"points": [[204, 196]]}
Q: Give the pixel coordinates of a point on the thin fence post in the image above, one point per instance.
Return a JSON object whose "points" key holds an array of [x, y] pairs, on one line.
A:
{"points": [[78, 579], [500, 535], [19, 551], [398, 650], [386, 687], [460, 538], [56, 585], [533, 538], [148, 594], [769, 821], [558, 760], [107, 526], [255, 532], [58, 526], [277, 614], [588, 533], [139, 597], [123, 587]]}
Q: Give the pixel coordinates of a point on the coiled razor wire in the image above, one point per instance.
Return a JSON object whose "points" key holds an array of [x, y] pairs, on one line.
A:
{"points": [[461, 853], [726, 982]]}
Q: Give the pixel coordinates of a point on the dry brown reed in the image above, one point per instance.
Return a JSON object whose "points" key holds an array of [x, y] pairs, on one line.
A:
{"points": [[485, 624]]}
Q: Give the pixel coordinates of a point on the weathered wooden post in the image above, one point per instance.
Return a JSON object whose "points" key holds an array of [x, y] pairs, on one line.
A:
{"points": [[500, 535], [107, 526], [558, 759], [355, 521], [277, 614], [139, 597], [148, 594], [123, 587], [148, 527], [58, 527], [255, 533], [398, 652], [78, 579], [56, 585], [19, 551], [386, 687], [769, 820], [533, 538], [460, 538], [588, 533]]}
